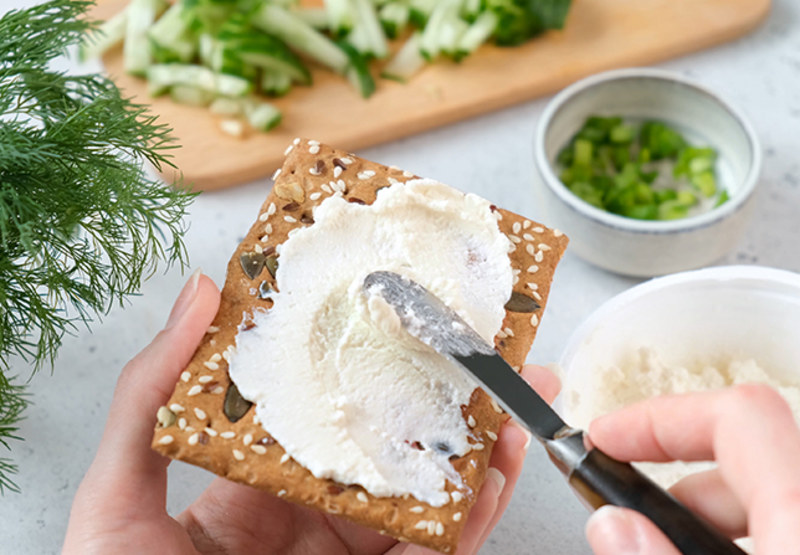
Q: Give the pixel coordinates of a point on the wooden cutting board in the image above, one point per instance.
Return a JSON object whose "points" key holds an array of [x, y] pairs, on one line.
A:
{"points": [[599, 35]]}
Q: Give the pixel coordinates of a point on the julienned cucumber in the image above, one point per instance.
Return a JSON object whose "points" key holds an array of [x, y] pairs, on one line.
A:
{"points": [[202, 51]]}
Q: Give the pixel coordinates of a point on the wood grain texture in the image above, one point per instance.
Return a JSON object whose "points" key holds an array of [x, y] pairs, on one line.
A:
{"points": [[599, 35]]}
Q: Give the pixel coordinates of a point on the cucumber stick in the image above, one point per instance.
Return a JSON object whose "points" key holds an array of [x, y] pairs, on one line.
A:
{"points": [[136, 53], [300, 36], [162, 77]]}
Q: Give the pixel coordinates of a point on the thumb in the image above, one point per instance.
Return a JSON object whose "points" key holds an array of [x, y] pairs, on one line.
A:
{"points": [[124, 460], [617, 531]]}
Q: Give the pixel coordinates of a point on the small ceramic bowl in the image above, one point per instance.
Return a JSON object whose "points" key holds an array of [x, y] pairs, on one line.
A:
{"points": [[689, 319], [641, 247]]}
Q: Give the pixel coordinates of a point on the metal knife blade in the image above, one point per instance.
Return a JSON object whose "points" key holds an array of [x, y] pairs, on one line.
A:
{"points": [[428, 319]]}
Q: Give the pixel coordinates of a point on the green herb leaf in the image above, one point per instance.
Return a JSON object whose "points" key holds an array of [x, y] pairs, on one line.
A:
{"points": [[81, 222]]}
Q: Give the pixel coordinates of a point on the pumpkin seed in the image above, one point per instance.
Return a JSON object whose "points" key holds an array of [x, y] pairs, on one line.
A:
{"points": [[272, 265], [235, 405], [252, 263], [521, 303]]}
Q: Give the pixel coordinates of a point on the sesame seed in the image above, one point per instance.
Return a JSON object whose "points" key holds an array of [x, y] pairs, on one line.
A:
{"points": [[516, 368], [258, 248], [431, 527], [212, 329], [515, 239], [346, 161], [288, 150], [296, 141], [515, 280], [539, 256], [205, 379], [200, 413], [271, 209], [439, 529], [361, 496], [285, 457], [313, 149], [264, 238], [341, 186], [195, 390], [545, 247], [337, 171], [188, 428], [526, 224], [314, 171], [537, 296], [247, 439], [216, 357], [238, 455], [495, 406], [281, 493], [491, 435], [528, 237], [263, 217], [511, 247], [515, 271], [313, 142], [516, 227], [182, 423], [290, 219], [509, 332], [175, 407], [407, 173], [538, 229], [533, 286], [478, 446], [417, 509], [228, 435], [166, 440], [421, 525], [498, 216], [471, 421], [211, 365], [276, 174], [456, 517], [211, 431], [217, 390], [530, 249], [315, 195], [185, 376], [534, 320], [193, 439], [366, 174], [268, 228], [558, 232], [533, 269], [457, 496], [393, 181], [258, 449], [327, 188], [501, 334]]}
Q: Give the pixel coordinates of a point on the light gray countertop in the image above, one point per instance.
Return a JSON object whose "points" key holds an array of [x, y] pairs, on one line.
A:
{"points": [[488, 155]]}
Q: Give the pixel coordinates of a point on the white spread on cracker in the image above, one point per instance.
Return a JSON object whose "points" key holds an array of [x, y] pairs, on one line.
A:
{"points": [[642, 373], [347, 393]]}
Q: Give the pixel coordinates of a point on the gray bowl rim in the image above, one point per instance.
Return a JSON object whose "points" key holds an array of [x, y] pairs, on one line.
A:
{"points": [[683, 225]]}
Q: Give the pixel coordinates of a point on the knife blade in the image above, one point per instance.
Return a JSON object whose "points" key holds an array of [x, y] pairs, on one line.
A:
{"points": [[431, 321], [596, 477]]}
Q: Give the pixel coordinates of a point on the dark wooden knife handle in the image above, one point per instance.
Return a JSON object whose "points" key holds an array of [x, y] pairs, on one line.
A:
{"points": [[601, 480]]}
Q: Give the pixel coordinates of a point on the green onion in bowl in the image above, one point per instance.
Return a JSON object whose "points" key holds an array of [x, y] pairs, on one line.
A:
{"points": [[644, 170]]}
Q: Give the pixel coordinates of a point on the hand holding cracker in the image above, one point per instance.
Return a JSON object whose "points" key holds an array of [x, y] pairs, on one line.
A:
{"points": [[120, 505]]}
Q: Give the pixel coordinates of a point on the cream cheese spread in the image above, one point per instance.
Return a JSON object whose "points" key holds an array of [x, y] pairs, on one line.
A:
{"points": [[338, 383]]}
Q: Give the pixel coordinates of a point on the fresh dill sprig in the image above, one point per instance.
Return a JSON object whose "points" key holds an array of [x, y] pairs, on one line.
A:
{"points": [[81, 222]]}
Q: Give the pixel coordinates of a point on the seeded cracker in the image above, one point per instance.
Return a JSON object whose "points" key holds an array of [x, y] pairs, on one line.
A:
{"points": [[208, 424]]}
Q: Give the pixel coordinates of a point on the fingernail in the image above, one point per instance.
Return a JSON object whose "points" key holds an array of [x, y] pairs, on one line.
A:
{"points": [[497, 477], [525, 432], [185, 299], [611, 530]]}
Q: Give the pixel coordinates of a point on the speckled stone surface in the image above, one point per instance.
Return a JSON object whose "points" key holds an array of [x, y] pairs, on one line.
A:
{"points": [[489, 155]]}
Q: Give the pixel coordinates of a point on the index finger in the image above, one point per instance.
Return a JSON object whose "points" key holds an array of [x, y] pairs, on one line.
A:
{"points": [[748, 429]]}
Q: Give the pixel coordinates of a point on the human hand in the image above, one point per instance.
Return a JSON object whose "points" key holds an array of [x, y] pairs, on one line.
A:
{"points": [[120, 506], [755, 489]]}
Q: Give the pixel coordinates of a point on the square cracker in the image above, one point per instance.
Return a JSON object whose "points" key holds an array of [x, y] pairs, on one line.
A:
{"points": [[193, 427]]}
